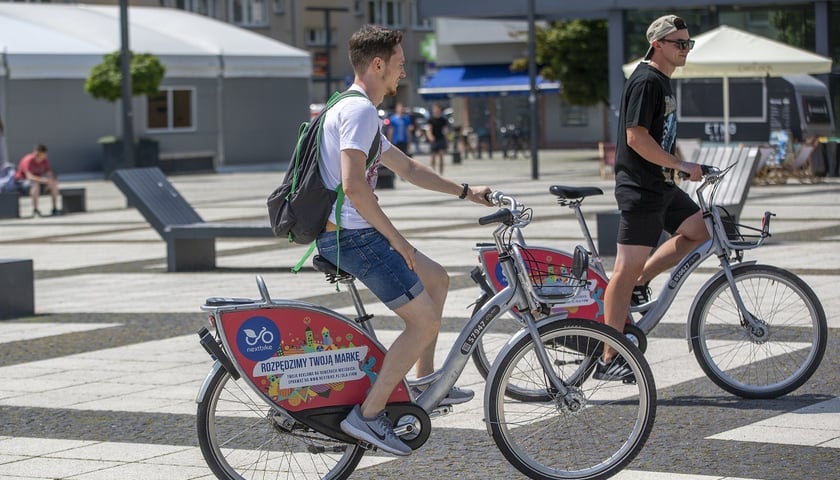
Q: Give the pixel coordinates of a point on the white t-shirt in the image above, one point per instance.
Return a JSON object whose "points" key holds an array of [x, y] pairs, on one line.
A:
{"points": [[350, 125]]}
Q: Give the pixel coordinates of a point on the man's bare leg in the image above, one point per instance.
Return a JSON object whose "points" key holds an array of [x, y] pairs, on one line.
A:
{"points": [[691, 233], [629, 263], [436, 283], [421, 329]]}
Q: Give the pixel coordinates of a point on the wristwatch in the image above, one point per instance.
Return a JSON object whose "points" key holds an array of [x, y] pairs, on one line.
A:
{"points": [[463, 194]]}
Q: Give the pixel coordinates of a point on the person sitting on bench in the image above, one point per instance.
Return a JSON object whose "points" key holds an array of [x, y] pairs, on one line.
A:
{"points": [[35, 177]]}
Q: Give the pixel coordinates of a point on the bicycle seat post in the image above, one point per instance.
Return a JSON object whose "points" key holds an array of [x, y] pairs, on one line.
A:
{"points": [[584, 228], [362, 317]]}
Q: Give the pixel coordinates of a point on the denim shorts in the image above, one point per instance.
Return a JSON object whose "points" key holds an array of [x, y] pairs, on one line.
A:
{"points": [[367, 255]]}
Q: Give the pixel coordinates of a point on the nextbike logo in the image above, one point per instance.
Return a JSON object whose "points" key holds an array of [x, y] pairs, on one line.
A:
{"points": [[258, 338]]}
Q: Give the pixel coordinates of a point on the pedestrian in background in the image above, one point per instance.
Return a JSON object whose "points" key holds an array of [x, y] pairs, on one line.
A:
{"points": [[400, 128]]}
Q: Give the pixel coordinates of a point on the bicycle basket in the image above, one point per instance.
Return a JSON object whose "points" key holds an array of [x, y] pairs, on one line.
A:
{"points": [[552, 281], [738, 236]]}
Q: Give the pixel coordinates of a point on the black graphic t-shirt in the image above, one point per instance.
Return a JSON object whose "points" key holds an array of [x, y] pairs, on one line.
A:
{"points": [[648, 101]]}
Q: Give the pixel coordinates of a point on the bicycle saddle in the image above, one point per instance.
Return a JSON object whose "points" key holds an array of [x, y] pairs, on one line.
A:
{"points": [[327, 268], [573, 193]]}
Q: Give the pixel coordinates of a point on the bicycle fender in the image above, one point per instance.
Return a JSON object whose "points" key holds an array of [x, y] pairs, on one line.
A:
{"points": [[702, 289], [523, 332], [205, 385]]}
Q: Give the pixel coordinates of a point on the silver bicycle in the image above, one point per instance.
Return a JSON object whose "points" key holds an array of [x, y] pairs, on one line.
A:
{"points": [[757, 331], [285, 373]]}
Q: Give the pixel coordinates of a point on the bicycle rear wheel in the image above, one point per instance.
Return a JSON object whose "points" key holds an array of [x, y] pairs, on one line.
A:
{"points": [[770, 362], [242, 438], [590, 434]]}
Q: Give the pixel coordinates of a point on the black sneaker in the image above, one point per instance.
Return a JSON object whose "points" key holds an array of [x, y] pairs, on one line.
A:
{"points": [[377, 431], [36, 213], [641, 295], [617, 369], [56, 212]]}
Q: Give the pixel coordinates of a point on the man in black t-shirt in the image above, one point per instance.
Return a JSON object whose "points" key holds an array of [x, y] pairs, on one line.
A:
{"points": [[645, 165], [437, 128]]}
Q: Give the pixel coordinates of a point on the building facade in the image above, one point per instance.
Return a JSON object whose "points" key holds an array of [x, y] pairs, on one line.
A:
{"points": [[803, 24]]}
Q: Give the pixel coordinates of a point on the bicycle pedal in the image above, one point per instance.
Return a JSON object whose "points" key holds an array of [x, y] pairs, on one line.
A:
{"points": [[441, 410]]}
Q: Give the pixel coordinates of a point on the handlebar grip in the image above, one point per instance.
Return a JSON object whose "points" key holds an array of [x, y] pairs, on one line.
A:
{"points": [[705, 169], [501, 216]]}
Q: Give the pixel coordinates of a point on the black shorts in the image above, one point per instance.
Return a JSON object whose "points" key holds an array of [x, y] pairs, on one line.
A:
{"points": [[645, 227], [438, 145]]}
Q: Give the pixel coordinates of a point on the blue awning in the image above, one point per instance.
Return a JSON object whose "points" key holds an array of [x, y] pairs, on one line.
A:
{"points": [[481, 80]]}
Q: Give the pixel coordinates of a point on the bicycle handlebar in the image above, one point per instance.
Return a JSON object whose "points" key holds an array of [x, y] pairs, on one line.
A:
{"points": [[509, 213], [708, 171]]}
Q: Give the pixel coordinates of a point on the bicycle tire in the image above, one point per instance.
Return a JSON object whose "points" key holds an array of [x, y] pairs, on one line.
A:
{"points": [[749, 367], [547, 440], [240, 439]]}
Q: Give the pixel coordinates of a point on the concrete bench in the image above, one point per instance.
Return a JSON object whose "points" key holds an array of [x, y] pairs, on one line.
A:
{"points": [[72, 200], [733, 189], [17, 288], [190, 241], [187, 162]]}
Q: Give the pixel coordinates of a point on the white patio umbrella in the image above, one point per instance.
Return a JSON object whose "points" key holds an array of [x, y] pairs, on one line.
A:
{"points": [[728, 52]]}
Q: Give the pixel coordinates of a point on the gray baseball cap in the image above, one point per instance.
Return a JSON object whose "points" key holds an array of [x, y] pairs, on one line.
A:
{"points": [[661, 28]]}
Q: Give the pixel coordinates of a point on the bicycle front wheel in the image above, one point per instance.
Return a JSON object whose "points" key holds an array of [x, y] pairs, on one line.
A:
{"points": [[241, 437], [772, 360], [592, 432]]}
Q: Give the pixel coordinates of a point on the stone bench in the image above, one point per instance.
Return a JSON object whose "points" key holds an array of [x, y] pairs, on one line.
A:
{"points": [[72, 200], [17, 288], [187, 162], [190, 241]]}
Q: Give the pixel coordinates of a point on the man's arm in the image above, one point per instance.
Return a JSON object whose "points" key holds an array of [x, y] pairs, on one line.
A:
{"points": [[356, 188], [424, 177], [642, 143]]}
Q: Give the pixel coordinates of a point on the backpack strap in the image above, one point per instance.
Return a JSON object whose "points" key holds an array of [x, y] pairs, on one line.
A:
{"points": [[339, 202]]}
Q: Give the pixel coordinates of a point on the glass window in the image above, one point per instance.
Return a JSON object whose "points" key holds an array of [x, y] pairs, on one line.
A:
{"points": [[417, 22], [172, 109], [279, 7], [701, 100], [202, 7], [388, 13], [574, 115], [248, 13], [317, 37]]}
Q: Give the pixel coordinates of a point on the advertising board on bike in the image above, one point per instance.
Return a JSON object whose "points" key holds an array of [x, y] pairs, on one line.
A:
{"points": [[301, 358]]}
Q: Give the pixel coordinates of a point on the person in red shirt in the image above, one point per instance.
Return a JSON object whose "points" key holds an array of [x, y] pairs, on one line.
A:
{"points": [[36, 176]]}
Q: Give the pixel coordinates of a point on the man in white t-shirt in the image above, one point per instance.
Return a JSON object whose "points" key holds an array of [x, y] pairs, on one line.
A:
{"points": [[372, 249]]}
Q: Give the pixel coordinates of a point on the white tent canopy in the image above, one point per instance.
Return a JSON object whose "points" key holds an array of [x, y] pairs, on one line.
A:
{"points": [[66, 41], [728, 52]]}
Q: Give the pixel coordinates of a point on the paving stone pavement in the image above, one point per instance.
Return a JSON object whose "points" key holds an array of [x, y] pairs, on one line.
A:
{"points": [[101, 382]]}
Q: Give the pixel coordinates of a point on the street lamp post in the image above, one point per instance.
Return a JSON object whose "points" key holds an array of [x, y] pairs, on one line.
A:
{"points": [[328, 40], [125, 71]]}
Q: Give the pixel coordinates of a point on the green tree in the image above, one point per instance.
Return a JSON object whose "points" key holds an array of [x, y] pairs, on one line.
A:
{"points": [[574, 52], [795, 27], [105, 80]]}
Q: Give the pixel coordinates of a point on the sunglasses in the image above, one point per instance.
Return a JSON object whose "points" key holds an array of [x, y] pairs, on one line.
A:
{"points": [[681, 44]]}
